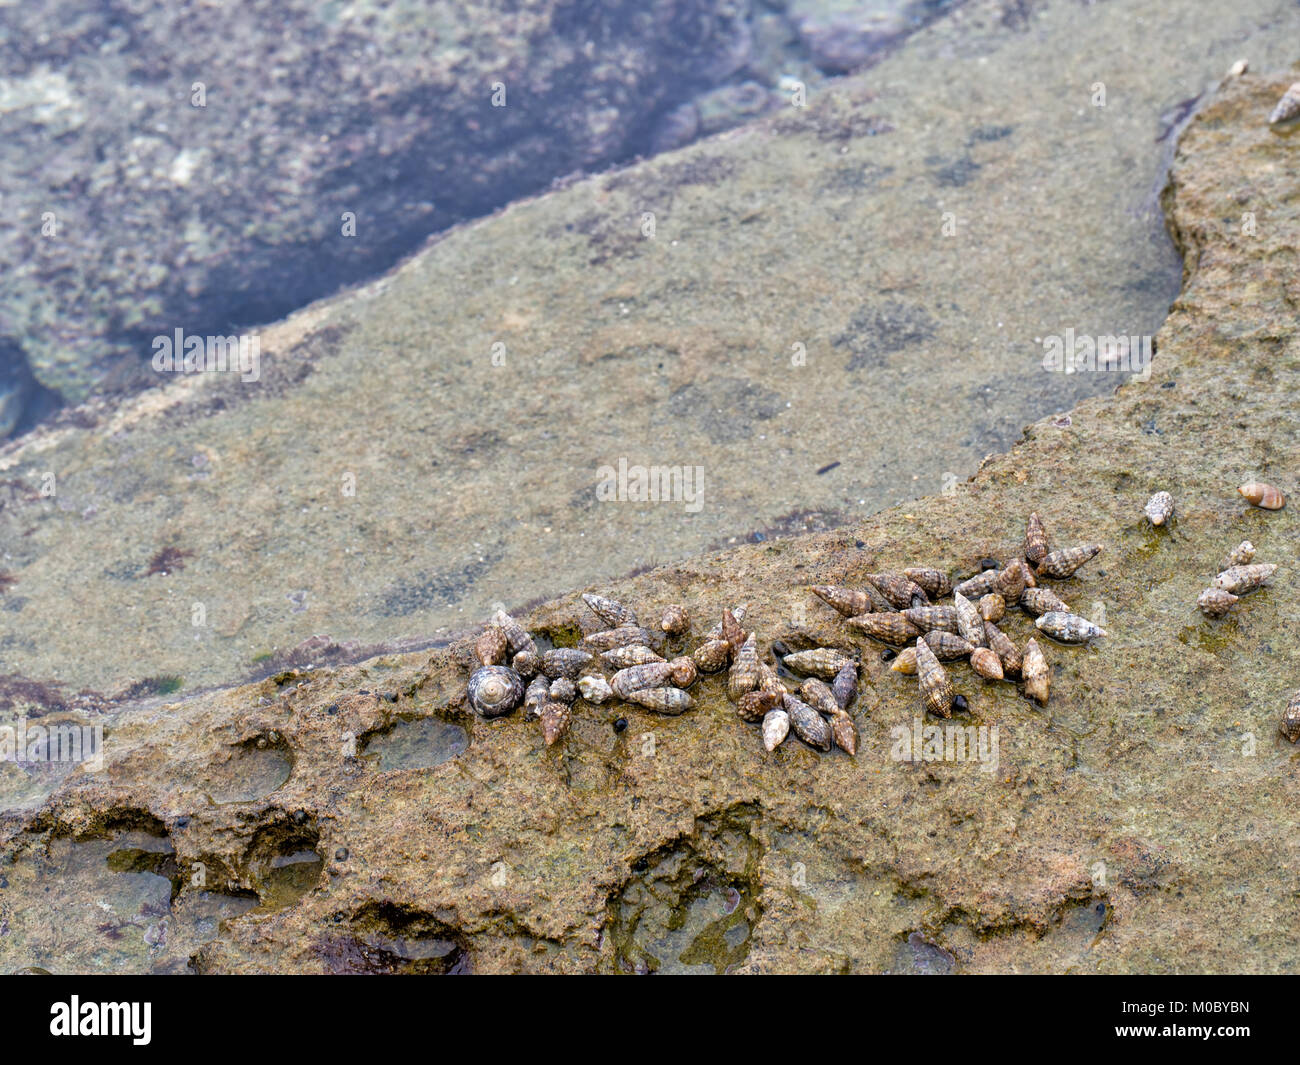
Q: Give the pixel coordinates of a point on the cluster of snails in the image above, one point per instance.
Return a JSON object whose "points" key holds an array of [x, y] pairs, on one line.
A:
{"points": [[902, 608], [1237, 577]]}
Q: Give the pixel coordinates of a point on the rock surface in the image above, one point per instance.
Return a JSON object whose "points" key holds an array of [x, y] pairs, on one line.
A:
{"points": [[799, 328], [1142, 822]]}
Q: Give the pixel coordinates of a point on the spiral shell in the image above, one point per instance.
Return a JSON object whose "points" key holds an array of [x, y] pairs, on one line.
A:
{"points": [[562, 690], [946, 646], [1288, 107], [662, 700], [817, 694], [845, 685], [823, 662], [675, 621], [738, 612], [595, 689], [637, 678], [622, 636], [494, 690], [744, 669], [732, 632], [776, 727], [936, 583], [1241, 579], [900, 591], [980, 584], [993, 607], [1291, 719], [516, 635], [610, 611], [1263, 495], [929, 618], [754, 706], [1063, 563], [555, 719], [1000, 642], [851, 602], [986, 663], [491, 646], [1036, 545], [1241, 555], [633, 654], [970, 626], [684, 671], [888, 628], [565, 662], [1038, 601], [537, 696], [843, 731], [936, 687], [1159, 508], [1036, 675], [1215, 602], [1068, 628], [712, 656], [769, 680], [807, 724], [1011, 581], [905, 663], [527, 663]]}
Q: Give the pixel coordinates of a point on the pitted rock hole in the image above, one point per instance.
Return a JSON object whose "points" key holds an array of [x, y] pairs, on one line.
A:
{"points": [[251, 771], [384, 939], [284, 862], [415, 743]]}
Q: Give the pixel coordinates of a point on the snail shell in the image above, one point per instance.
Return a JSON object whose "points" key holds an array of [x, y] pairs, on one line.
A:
{"points": [[1159, 508], [494, 690], [1288, 107], [562, 690], [565, 662], [537, 696], [980, 584], [1036, 545], [1035, 673], [622, 636], [555, 718], [1068, 628], [1263, 495], [1063, 563], [817, 694], [1011, 581], [970, 626], [526, 663], [936, 583], [946, 646], [845, 685], [662, 700], [1241, 555], [754, 706], [1038, 601], [993, 607], [769, 680], [888, 628], [610, 611], [986, 663], [636, 678], [900, 591], [738, 612], [823, 662], [732, 632], [632, 654], [1241, 579], [744, 669], [1291, 719], [684, 671], [929, 618], [850, 602], [675, 621], [1000, 642], [905, 663], [712, 656], [595, 689], [1215, 602], [808, 725], [516, 635], [491, 646], [936, 687], [776, 727], [844, 732]]}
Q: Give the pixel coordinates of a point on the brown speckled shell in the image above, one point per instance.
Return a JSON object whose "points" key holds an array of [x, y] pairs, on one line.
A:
{"points": [[776, 727], [1215, 602], [731, 631], [1241, 579], [675, 621], [986, 663], [491, 646], [822, 662], [632, 654], [754, 706], [662, 700], [622, 636], [897, 589], [1036, 544], [888, 628], [936, 687], [555, 718], [993, 607], [1067, 627], [929, 618], [562, 690], [807, 724], [1159, 508], [494, 691], [527, 663], [980, 584], [905, 663], [1010, 582], [1001, 643], [1291, 719], [537, 696], [817, 694], [848, 601], [684, 672], [970, 626], [565, 662], [936, 583], [845, 685], [516, 635], [844, 732], [744, 673], [635, 678], [610, 611], [1063, 563], [1035, 673], [1038, 601], [712, 656], [1288, 107], [947, 646]]}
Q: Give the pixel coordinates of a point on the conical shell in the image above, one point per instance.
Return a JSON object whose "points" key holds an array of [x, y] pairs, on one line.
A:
{"points": [[947, 646], [633, 654], [769, 680], [675, 621], [929, 618], [1215, 602], [594, 689], [848, 601], [897, 589], [1159, 508], [662, 700], [1063, 563], [1036, 675], [986, 663], [622, 636], [565, 662], [1001, 643], [610, 611], [1263, 495], [712, 656], [845, 685], [738, 612], [562, 690], [555, 718], [1241, 579], [888, 628], [744, 669], [516, 635], [491, 646], [731, 631], [905, 663], [1036, 545], [980, 584], [684, 671], [1068, 628], [1291, 719], [993, 607], [1241, 555], [822, 662], [537, 696], [494, 690], [970, 626], [776, 727], [808, 725], [936, 583], [817, 694], [754, 706], [844, 732], [936, 687], [1038, 601], [637, 678], [1010, 581], [527, 663], [1288, 107]]}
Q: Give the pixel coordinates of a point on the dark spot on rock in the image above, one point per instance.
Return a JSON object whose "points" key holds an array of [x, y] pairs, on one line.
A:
{"points": [[859, 544], [875, 333], [955, 173], [988, 563], [960, 704], [888, 654], [990, 133], [341, 855], [640, 865], [758, 537], [167, 560], [620, 725]]}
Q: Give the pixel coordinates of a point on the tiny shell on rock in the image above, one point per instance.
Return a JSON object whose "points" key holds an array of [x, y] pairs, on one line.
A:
{"points": [[565, 662], [999, 641], [929, 618], [537, 696], [776, 727], [610, 611], [636, 678], [731, 631], [1068, 628], [1241, 579], [633, 654], [845, 685], [1241, 555], [844, 732], [905, 663], [1035, 672], [1159, 508], [993, 607], [527, 663], [980, 584], [555, 718], [712, 656], [936, 687], [675, 621], [754, 706], [516, 635], [1215, 602], [1011, 581], [684, 671], [494, 691], [850, 602], [1063, 563], [823, 662], [986, 663], [946, 646], [808, 725], [1288, 107], [744, 669], [1036, 545], [936, 583], [594, 689], [888, 628], [662, 700], [491, 646], [622, 636], [562, 690], [1291, 719], [970, 625], [1038, 601], [1263, 495], [817, 694]]}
